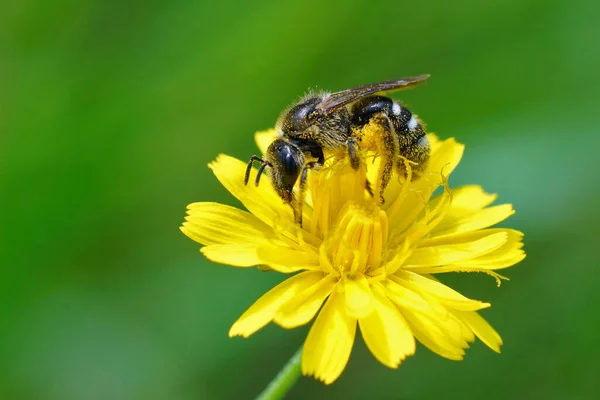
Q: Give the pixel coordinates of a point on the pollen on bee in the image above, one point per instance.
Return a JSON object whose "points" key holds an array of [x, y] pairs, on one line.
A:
{"points": [[370, 135]]}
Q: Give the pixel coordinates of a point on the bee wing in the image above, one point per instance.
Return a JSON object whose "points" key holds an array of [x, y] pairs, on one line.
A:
{"points": [[339, 99]]}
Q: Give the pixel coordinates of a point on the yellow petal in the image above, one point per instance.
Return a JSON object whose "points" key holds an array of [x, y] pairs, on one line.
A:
{"points": [[263, 310], [434, 326], [505, 261], [264, 138], [445, 295], [473, 266], [452, 253], [471, 197], [286, 260], [468, 213], [459, 268], [232, 235], [329, 342], [513, 236], [386, 332], [261, 201], [301, 308], [214, 223], [407, 298], [432, 336], [482, 329], [359, 298], [505, 256], [238, 255], [465, 222]]}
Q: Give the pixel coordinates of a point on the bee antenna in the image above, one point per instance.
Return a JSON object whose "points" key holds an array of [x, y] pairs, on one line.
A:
{"points": [[261, 170]]}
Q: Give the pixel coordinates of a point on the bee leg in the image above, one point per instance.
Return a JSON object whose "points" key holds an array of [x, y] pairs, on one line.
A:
{"points": [[303, 178], [353, 153], [388, 149], [368, 187]]}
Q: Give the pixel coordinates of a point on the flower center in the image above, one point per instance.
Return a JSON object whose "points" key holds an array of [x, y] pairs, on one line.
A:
{"points": [[359, 241]]}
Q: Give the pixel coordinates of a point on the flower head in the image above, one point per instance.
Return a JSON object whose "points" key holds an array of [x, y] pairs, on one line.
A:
{"points": [[356, 263]]}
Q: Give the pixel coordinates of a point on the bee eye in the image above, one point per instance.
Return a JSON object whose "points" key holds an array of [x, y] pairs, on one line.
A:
{"points": [[289, 162]]}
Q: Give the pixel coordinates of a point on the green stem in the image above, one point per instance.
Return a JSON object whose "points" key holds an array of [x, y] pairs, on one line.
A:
{"points": [[284, 380]]}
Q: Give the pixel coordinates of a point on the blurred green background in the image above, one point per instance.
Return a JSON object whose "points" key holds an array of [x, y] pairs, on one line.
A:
{"points": [[110, 112]]}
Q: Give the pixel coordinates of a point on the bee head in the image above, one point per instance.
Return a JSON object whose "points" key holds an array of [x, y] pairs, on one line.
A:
{"points": [[287, 161], [297, 119]]}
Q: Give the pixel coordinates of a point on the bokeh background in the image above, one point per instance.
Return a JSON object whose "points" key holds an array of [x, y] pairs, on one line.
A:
{"points": [[110, 112]]}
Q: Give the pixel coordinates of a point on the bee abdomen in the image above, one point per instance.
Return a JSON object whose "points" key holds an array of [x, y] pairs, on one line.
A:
{"points": [[364, 109], [405, 123], [412, 139]]}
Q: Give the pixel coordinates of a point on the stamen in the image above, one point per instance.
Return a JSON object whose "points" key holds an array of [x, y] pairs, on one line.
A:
{"points": [[499, 278], [324, 217], [360, 240], [364, 243], [324, 260], [396, 263], [376, 244], [355, 262]]}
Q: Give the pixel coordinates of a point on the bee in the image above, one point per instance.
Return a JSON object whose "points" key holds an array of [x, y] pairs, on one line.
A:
{"points": [[328, 122]]}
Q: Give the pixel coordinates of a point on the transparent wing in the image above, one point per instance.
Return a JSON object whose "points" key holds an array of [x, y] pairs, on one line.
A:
{"points": [[339, 99]]}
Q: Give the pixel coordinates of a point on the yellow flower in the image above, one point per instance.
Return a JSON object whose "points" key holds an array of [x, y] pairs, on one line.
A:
{"points": [[371, 266]]}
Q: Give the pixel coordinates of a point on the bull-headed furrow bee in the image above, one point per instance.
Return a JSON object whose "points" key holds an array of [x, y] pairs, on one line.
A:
{"points": [[329, 122]]}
